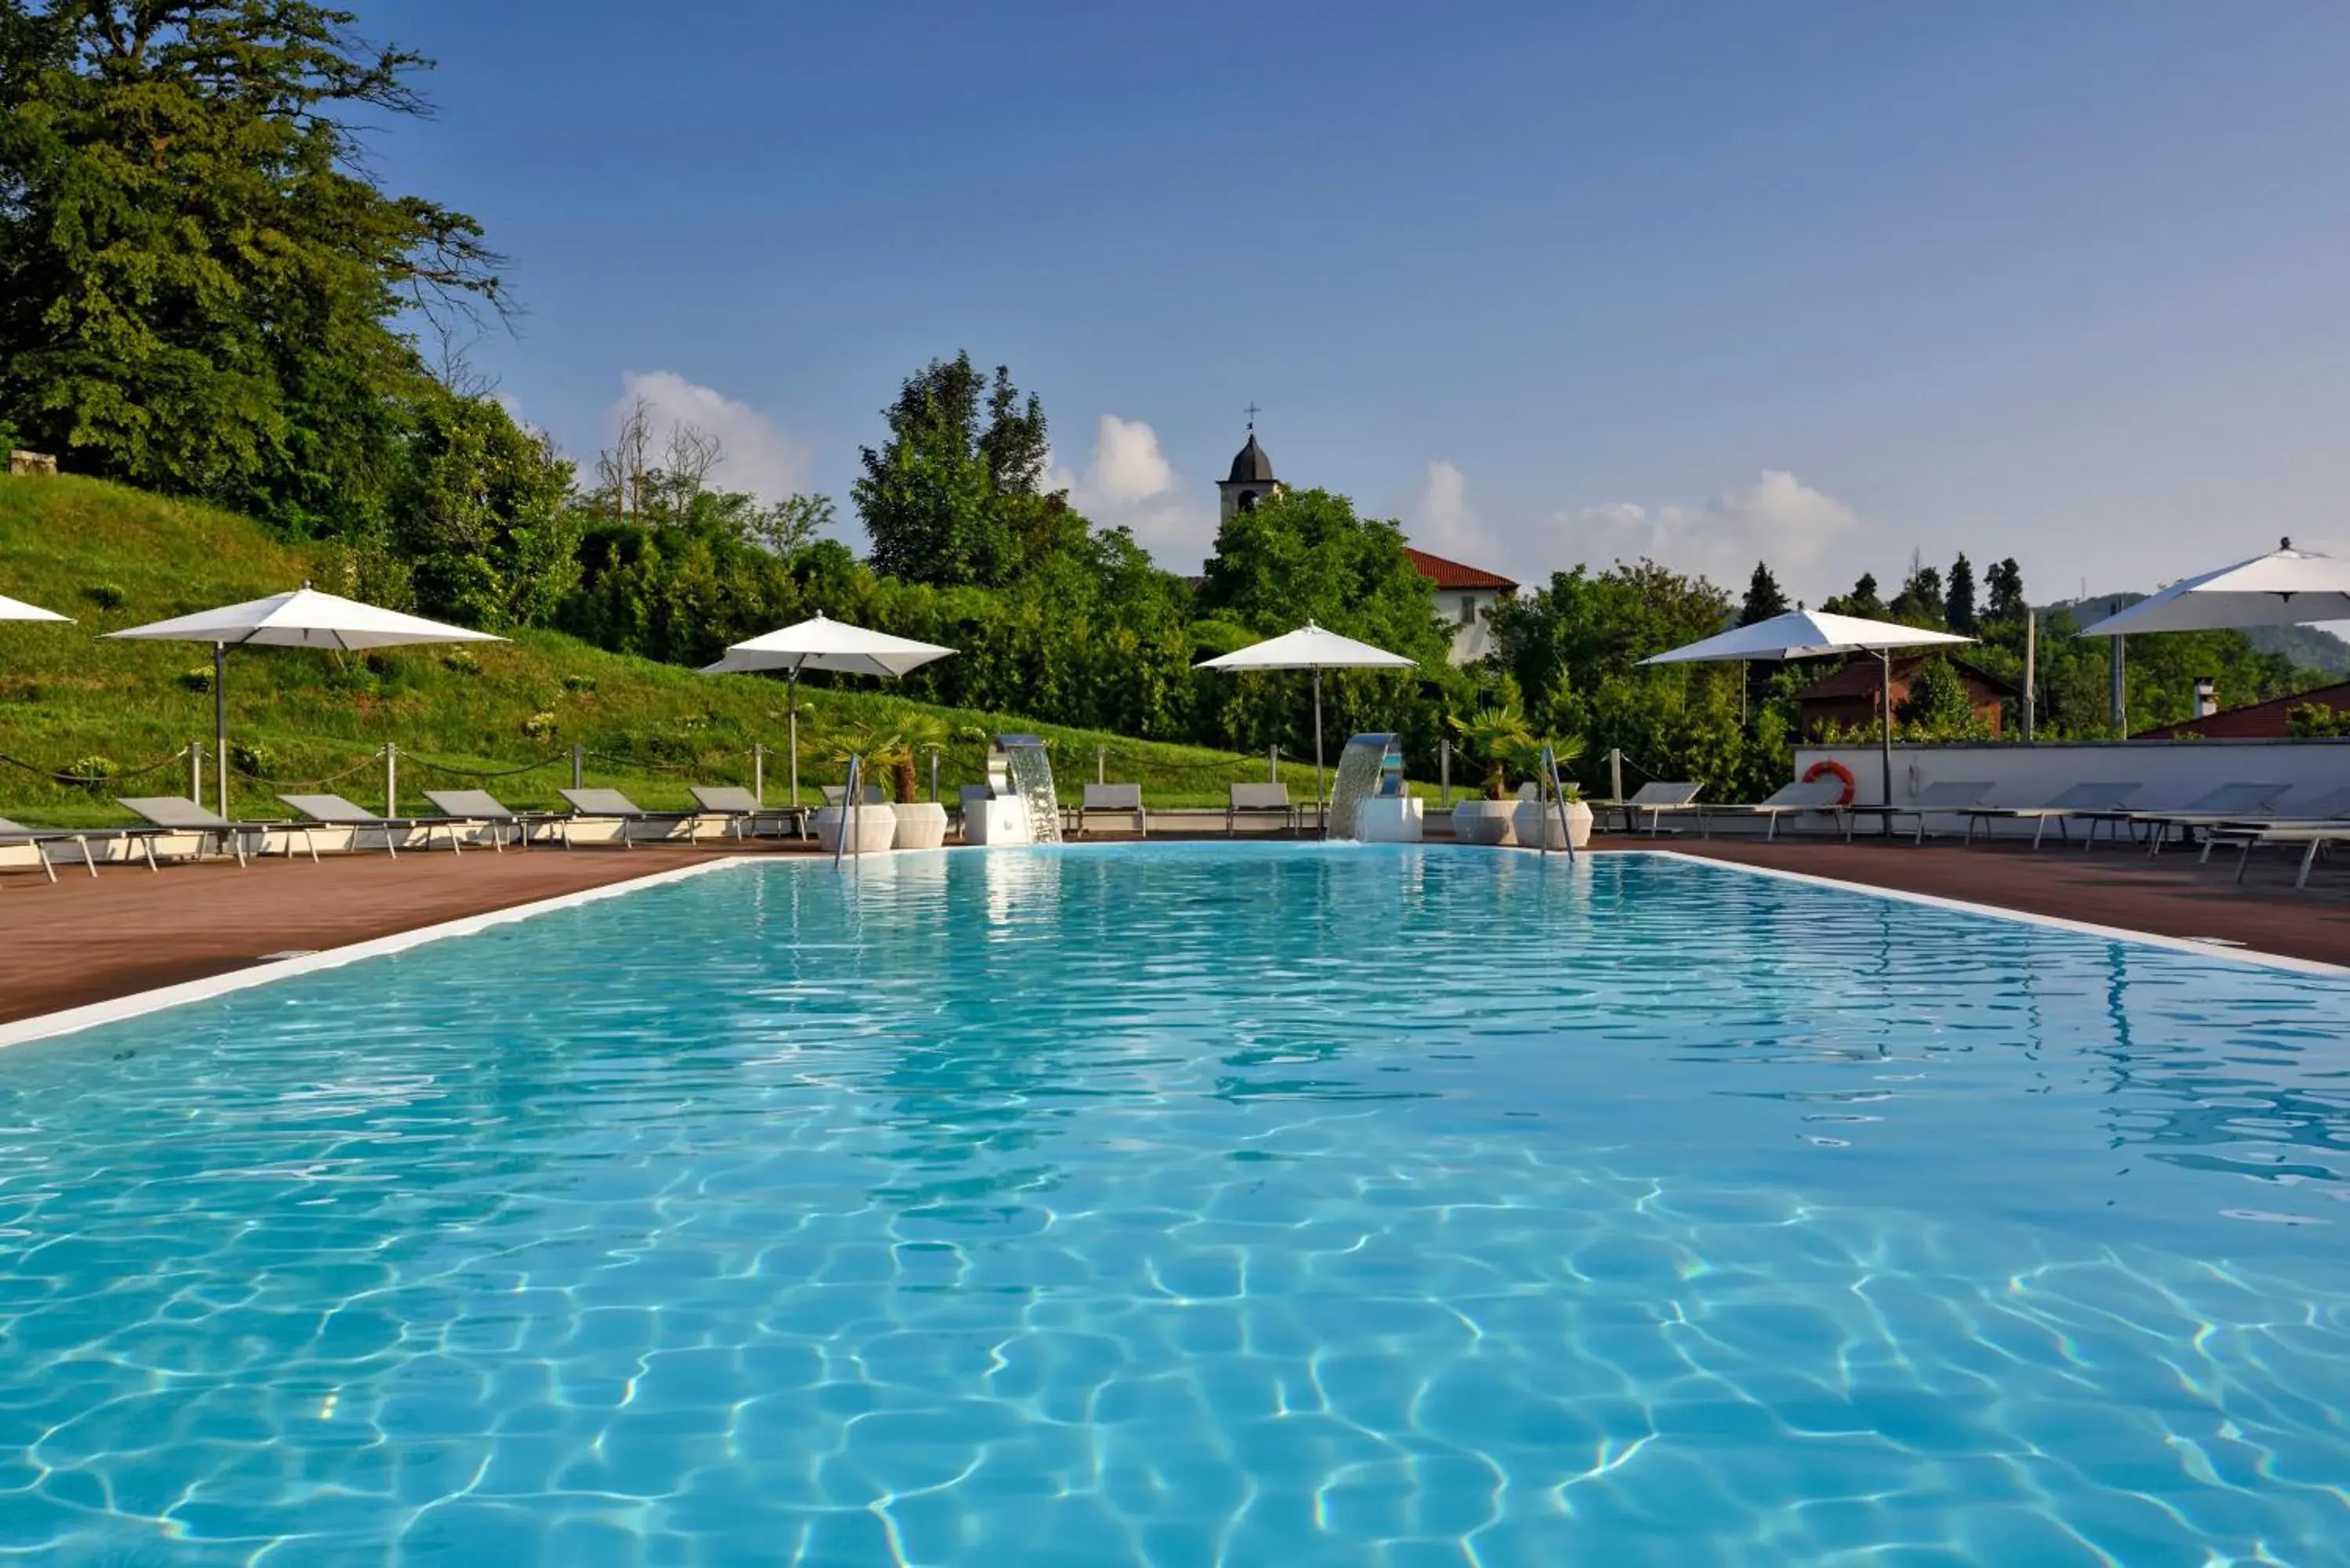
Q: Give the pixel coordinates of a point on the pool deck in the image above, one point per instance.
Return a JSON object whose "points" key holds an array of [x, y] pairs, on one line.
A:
{"points": [[89, 939]]}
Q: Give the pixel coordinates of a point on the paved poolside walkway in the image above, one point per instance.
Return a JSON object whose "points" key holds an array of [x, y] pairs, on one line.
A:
{"points": [[87, 939]]}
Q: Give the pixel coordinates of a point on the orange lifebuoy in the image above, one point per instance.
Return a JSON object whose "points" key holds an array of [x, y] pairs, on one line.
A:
{"points": [[1839, 770]]}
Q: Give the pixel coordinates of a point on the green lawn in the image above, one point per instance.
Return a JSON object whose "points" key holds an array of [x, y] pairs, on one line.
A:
{"points": [[71, 703]]}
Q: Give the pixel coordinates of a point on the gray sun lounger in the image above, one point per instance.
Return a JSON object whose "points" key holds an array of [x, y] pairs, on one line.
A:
{"points": [[1118, 800], [611, 805], [2313, 837], [16, 835], [741, 810], [333, 811], [1788, 800], [2294, 819], [2230, 803], [2094, 803], [1260, 799], [480, 808], [1952, 797], [836, 794], [179, 815], [1656, 799]]}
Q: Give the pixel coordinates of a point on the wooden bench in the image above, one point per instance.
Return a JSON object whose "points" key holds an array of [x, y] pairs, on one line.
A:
{"points": [[1259, 800], [1117, 798]]}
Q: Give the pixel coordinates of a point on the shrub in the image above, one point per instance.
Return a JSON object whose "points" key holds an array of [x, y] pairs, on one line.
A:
{"points": [[197, 678], [461, 662], [92, 773], [253, 761], [540, 727], [586, 683], [2315, 719], [105, 595]]}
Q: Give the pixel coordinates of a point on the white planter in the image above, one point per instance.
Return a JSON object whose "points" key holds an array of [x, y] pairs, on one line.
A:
{"points": [[1537, 824], [920, 826], [1484, 821], [877, 828]]}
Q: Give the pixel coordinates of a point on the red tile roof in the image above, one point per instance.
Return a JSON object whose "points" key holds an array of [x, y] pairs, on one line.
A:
{"points": [[2255, 720], [1446, 573]]}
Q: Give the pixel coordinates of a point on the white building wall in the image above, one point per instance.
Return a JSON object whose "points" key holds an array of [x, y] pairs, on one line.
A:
{"points": [[1473, 639]]}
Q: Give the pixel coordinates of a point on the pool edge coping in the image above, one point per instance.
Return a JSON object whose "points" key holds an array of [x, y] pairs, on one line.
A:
{"points": [[2257, 957], [139, 1003]]}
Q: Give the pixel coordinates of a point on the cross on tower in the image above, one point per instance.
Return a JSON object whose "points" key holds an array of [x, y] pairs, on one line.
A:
{"points": [[1252, 411]]}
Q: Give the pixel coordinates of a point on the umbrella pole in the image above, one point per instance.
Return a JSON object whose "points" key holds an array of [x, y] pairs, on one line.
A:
{"points": [[220, 720], [1321, 806], [1885, 667], [792, 716]]}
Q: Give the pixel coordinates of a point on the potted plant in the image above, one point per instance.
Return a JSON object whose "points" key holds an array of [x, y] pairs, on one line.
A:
{"points": [[1496, 735], [921, 823], [1536, 821], [876, 825]]}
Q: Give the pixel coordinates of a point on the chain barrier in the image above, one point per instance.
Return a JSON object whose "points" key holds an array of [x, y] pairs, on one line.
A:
{"points": [[409, 760], [85, 781], [361, 766]]}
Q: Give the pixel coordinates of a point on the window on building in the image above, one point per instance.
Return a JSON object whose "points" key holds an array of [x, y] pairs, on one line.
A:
{"points": [[1468, 609]]}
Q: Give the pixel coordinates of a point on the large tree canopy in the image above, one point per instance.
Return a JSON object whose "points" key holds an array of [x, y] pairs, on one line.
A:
{"points": [[199, 281]]}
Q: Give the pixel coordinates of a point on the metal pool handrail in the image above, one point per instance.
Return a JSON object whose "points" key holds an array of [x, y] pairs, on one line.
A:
{"points": [[1558, 799]]}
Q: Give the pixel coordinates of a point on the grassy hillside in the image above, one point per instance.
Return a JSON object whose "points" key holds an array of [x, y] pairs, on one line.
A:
{"points": [[115, 557]]}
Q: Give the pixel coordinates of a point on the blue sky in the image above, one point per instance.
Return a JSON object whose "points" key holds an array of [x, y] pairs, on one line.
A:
{"points": [[1825, 284]]}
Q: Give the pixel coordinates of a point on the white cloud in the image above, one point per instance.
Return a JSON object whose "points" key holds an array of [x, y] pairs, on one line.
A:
{"points": [[1778, 519], [1439, 519], [756, 455], [1129, 484]]}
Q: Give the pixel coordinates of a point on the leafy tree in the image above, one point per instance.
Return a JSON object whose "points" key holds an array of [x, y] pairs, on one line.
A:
{"points": [[1304, 556], [483, 515], [1584, 626], [1763, 597], [949, 500], [1936, 706], [1959, 598], [1862, 601], [1919, 603], [2005, 584], [198, 280]]}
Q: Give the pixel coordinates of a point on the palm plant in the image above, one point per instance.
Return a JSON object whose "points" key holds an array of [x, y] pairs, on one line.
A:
{"points": [[1497, 735], [916, 733], [1564, 749], [866, 744]]}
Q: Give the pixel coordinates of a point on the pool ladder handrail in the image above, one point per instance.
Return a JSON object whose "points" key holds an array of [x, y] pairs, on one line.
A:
{"points": [[1549, 767], [852, 800]]}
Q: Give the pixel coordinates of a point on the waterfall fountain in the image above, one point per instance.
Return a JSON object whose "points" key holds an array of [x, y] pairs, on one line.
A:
{"points": [[1368, 801], [1016, 805]]}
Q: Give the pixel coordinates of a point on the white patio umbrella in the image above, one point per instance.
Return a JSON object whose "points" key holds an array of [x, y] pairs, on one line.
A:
{"points": [[820, 644], [17, 609], [1310, 648], [2284, 587], [1811, 634], [303, 619]]}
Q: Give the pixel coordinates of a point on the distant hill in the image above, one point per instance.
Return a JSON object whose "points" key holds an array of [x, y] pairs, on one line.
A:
{"points": [[112, 556], [2307, 646]]}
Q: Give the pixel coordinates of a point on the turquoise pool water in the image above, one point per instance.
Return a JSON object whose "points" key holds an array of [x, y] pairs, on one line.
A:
{"points": [[1262, 1206]]}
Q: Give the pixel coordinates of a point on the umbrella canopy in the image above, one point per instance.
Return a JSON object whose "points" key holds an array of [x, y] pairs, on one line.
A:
{"points": [[1809, 634], [302, 618], [17, 609], [1310, 648], [1805, 634], [820, 644], [305, 618], [2284, 587]]}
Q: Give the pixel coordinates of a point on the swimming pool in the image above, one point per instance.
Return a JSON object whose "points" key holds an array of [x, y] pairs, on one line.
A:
{"points": [[1187, 1205]]}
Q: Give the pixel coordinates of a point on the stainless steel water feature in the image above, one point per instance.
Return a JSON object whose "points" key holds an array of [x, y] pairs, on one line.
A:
{"points": [[1019, 767], [1370, 766]]}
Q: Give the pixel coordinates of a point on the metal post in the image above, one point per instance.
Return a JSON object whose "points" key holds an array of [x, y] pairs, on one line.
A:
{"points": [[2120, 699], [1444, 771], [196, 772], [1885, 664], [390, 778], [792, 718], [1101, 764], [1272, 765], [2030, 669], [846, 829], [1616, 773], [934, 775], [1558, 798], [1321, 813], [220, 719], [578, 763]]}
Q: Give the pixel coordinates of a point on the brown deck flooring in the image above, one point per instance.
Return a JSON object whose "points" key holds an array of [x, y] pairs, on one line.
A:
{"points": [[88, 940]]}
